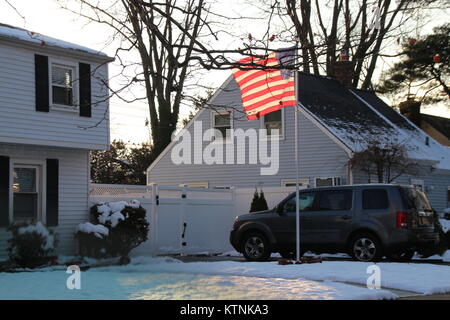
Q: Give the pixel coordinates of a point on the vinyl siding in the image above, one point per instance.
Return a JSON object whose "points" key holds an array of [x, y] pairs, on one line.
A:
{"points": [[73, 190], [20, 123], [320, 156]]}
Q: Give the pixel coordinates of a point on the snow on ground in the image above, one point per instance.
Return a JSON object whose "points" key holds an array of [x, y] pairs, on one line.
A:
{"points": [[420, 278], [101, 284], [168, 278]]}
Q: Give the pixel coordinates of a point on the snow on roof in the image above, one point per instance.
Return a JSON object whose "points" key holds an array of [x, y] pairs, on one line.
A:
{"points": [[7, 31], [355, 116]]}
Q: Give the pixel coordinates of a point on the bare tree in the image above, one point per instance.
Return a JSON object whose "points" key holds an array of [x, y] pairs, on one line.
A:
{"points": [[364, 29], [386, 159], [173, 39]]}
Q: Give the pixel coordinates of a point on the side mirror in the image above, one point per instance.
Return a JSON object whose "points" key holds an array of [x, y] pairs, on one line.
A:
{"points": [[280, 210]]}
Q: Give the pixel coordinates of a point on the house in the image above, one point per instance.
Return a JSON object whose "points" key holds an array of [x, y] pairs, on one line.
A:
{"points": [[334, 122], [54, 110], [436, 127]]}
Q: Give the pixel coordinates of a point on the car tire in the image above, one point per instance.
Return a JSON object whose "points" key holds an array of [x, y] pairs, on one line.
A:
{"points": [[366, 247], [401, 256], [255, 246]]}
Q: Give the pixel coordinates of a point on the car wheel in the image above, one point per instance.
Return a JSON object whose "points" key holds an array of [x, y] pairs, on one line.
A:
{"points": [[255, 247], [366, 247], [402, 256]]}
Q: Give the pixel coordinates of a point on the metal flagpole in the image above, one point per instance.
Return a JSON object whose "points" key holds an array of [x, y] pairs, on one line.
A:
{"points": [[297, 211]]}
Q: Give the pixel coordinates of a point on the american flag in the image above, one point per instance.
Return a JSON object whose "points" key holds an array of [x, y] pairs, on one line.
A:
{"points": [[263, 89]]}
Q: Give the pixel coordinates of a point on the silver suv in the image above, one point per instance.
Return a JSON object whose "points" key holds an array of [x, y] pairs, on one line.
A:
{"points": [[367, 221]]}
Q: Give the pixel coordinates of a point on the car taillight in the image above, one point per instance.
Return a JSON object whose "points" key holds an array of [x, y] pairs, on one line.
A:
{"points": [[401, 220]]}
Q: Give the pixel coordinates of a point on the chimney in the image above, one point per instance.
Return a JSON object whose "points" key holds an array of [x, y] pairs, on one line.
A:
{"points": [[343, 69], [411, 109]]}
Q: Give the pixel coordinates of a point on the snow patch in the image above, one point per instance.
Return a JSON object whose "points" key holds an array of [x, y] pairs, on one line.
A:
{"points": [[97, 229]]}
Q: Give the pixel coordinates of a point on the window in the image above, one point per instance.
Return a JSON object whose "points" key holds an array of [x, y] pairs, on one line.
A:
{"points": [[375, 199], [448, 197], [272, 121], [62, 84], [336, 200], [223, 187], [418, 184], [26, 192], [302, 183], [306, 202], [222, 121], [328, 182], [196, 184]]}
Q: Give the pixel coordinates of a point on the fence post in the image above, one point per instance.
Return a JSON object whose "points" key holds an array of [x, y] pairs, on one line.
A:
{"points": [[183, 230], [154, 219]]}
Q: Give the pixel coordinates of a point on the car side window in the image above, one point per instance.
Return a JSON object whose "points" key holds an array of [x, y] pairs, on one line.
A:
{"points": [[375, 199], [336, 200], [306, 202]]}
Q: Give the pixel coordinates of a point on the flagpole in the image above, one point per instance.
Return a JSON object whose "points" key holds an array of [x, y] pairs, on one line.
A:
{"points": [[297, 209]]}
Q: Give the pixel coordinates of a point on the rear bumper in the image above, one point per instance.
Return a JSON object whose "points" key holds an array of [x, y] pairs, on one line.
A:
{"points": [[414, 240]]}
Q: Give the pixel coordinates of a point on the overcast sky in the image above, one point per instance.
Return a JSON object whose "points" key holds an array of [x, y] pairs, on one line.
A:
{"points": [[127, 120]]}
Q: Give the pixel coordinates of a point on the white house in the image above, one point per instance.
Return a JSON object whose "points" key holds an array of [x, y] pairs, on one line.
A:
{"points": [[53, 111], [334, 122]]}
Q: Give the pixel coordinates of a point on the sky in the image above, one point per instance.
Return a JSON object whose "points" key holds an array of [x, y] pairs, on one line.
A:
{"points": [[127, 119]]}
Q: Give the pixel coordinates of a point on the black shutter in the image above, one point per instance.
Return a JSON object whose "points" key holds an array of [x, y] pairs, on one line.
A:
{"points": [[85, 89], [41, 80], [52, 192], [4, 191]]}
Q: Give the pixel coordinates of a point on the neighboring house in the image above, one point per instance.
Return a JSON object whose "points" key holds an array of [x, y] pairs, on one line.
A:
{"points": [[436, 127], [334, 122], [54, 109]]}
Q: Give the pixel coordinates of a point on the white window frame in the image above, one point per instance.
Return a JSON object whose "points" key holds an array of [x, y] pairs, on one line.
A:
{"points": [[290, 182], [213, 124], [41, 186], [281, 136], [336, 181], [75, 84], [196, 184], [418, 182]]}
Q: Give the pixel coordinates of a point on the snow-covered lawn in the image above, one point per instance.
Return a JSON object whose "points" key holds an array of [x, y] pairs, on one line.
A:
{"points": [[163, 278]]}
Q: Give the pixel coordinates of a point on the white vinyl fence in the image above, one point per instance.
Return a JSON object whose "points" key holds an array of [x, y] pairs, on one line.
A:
{"points": [[186, 220]]}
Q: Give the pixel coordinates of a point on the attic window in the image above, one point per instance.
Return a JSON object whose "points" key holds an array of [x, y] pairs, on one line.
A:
{"points": [[222, 121], [63, 84], [273, 121]]}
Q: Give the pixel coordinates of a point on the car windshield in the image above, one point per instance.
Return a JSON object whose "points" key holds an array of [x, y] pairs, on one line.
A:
{"points": [[415, 199]]}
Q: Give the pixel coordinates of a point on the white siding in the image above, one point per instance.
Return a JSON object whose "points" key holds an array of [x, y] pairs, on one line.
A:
{"points": [[320, 155], [73, 190], [20, 123]]}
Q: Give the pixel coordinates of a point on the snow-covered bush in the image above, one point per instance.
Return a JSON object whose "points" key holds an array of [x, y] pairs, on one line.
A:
{"points": [[31, 244], [91, 238], [116, 229]]}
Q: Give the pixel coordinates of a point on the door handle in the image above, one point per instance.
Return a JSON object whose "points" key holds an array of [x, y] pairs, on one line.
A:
{"points": [[346, 217]]}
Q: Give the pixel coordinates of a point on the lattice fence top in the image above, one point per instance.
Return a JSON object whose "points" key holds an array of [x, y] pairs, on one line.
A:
{"points": [[106, 190]]}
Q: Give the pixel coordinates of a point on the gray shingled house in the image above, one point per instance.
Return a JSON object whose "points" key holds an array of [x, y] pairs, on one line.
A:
{"points": [[334, 122]]}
